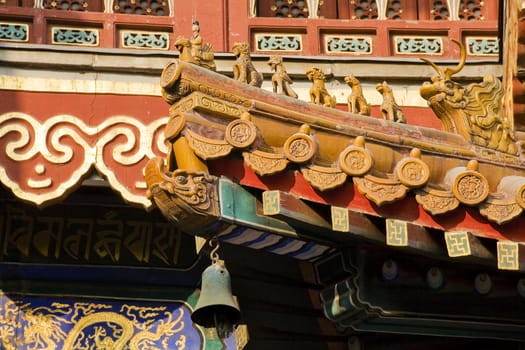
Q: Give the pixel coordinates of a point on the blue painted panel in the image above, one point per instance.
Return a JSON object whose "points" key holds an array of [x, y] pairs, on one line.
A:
{"points": [[33, 322]]}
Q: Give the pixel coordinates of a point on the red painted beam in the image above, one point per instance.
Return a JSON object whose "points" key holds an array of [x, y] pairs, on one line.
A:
{"points": [[407, 209]]}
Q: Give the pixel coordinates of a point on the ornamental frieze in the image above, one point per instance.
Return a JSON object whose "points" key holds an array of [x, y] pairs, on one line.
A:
{"points": [[43, 161], [265, 163], [380, 190], [500, 210], [323, 178], [436, 201], [38, 322]]}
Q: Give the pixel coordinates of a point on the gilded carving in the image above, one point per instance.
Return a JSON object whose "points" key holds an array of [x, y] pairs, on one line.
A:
{"points": [[356, 100], [318, 92], [470, 187], [281, 81], [474, 112], [436, 201], [221, 94], [170, 74], [217, 106], [356, 160], [300, 147], [390, 110], [184, 105], [265, 163], [241, 133], [201, 101], [323, 178], [380, 190], [500, 210], [412, 171], [207, 148], [243, 69], [188, 198], [175, 85]]}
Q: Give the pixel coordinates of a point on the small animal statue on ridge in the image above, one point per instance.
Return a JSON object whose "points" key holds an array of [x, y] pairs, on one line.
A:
{"points": [[390, 110], [243, 69], [318, 93], [281, 81], [356, 100]]}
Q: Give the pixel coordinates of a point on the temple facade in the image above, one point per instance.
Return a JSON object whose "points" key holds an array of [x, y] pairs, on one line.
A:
{"points": [[357, 166]]}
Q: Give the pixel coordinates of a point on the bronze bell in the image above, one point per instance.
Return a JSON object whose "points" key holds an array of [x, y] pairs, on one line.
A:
{"points": [[216, 307]]}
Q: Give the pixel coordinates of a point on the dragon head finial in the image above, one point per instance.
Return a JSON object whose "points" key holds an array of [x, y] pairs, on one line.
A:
{"points": [[447, 73]]}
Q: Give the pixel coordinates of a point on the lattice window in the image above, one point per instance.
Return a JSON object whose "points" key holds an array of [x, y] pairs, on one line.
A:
{"points": [[439, 10], [469, 10], [73, 5], [290, 8], [395, 9], [67, 5], [142, 7], [363, 9]]}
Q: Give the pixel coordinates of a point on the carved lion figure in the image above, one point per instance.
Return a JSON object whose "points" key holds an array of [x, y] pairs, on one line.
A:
{"points": [[390, 110], [243, 69], [318, 92], [356, 100]]}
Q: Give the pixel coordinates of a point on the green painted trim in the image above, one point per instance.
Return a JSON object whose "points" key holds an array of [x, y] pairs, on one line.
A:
{"points": [[238, 206]]}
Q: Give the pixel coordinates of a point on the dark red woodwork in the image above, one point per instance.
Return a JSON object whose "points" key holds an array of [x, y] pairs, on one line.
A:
{"points": [[222, 24], [43, 105]]}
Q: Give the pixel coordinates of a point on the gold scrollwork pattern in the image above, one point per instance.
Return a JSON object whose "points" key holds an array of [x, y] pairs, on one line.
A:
{"points": [[356, 160], [380, 190], [436, 201], [470, 187], [323, 178], [207, 148], [170, 74], [499, 210], [241, 133], [300, 148], [265, 163], [412, 171]]}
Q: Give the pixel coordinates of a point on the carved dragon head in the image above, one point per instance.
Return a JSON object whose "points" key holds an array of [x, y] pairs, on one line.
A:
{"points": [[443, 82], [474, 112]]}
